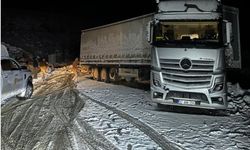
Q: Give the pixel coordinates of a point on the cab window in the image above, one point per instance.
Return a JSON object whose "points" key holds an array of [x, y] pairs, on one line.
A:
{"points": [[8, 65]]}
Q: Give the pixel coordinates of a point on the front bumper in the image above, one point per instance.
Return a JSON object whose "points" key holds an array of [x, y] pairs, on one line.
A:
{"points": [[168, 94]]}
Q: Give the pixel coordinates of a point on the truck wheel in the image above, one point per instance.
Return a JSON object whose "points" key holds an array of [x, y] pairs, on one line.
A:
{"points": [[28, 92], [96, 74], [113, 74], [105, 75], [89, 70]]}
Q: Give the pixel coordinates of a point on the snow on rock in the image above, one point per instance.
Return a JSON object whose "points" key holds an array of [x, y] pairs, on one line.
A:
{"points": [[247, 100], [18, 53], [239, 100]]}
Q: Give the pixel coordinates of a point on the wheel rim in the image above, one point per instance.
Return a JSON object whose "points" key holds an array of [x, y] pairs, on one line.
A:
{"points": [[113, 74]]}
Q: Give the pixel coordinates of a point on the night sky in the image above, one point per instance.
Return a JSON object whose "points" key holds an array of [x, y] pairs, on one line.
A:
{"points": [[93, 13], [108, 9], [89, 12], [73, 16], [85, 14]]}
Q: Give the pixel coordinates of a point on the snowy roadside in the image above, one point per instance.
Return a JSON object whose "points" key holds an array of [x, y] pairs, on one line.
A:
{"points": [[239, 101], [188, 131]]}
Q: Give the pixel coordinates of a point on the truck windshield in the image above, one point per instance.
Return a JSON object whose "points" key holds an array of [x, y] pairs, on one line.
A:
{"points": [[187, 34]]}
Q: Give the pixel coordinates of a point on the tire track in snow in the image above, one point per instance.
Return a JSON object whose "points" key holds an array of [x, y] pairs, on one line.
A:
{"points": [[42, 93], [150, 132], [92, 137], [24, 129]]}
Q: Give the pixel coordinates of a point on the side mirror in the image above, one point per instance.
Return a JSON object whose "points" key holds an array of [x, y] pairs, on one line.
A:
{"points": [[231, 37], [227, 33], [149, 32]]}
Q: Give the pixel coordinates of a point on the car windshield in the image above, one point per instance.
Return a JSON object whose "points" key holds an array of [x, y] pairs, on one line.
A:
{"points": [[194, 34]]}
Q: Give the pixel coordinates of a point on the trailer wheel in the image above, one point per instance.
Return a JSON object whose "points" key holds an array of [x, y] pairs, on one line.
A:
{"points": [[113, 74], [95, 73], [104, 74], [90, 70]]}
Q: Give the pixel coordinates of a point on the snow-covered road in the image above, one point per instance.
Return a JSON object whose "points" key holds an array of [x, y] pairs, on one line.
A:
{"points": [[41, 122], [186, 131], [96, 115]]}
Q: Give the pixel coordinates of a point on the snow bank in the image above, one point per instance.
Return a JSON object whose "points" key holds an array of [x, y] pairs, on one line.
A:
{"points": [[239, 100]]}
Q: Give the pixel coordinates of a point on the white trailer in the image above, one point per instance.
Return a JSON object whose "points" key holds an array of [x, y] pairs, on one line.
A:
{"points": [[117, 50]]}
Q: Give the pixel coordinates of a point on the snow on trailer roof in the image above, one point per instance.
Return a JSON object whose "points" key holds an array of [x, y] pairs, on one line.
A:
{"points": [[4, 51], [119, 22]]}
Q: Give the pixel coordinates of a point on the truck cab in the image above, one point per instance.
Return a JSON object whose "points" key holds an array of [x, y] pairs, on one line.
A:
{"points": [[16, 80], [193, 42]]}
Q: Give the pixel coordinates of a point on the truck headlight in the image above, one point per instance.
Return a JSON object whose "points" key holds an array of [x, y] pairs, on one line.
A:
{"points": [[156, 83], [218, 85], [156, 80]]}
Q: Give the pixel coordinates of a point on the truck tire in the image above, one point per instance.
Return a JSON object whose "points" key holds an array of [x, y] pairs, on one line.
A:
{"points": [[113, 74], [28, 92], [105, 75], [96, 73], [89, 70]]}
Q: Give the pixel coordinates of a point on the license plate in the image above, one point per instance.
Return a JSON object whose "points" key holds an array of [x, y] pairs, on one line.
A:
{"points": [[185, 102]]}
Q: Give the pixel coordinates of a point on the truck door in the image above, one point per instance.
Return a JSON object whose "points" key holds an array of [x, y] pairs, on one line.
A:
{"points": [[233, 51]]}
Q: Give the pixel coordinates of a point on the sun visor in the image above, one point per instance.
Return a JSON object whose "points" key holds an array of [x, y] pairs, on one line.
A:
{"points": [[188, 6]]}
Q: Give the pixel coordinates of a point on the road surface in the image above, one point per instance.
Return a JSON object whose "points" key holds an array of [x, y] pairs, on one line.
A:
{"points": [[93, 115]]}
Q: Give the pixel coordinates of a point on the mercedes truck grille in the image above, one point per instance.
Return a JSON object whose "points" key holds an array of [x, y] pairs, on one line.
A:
{"points": [[187, 73]]}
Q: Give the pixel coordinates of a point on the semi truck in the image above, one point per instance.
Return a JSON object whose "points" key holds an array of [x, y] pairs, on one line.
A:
{"points": [[190, 45]]}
